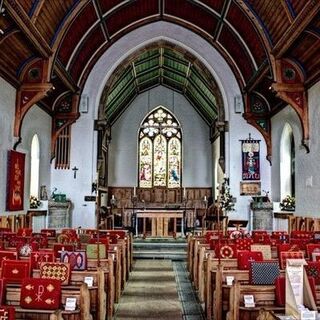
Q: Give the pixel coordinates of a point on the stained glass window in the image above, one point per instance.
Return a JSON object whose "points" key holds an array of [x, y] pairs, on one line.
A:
{"points": [[160, 150]]}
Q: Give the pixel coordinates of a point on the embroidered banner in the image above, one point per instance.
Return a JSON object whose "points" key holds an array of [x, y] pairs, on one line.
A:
{"points": [[250, 159], [15, 180]]}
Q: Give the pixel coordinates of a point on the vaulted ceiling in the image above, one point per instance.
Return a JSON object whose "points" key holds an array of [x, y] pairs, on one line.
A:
{"points": [[269, 44]]}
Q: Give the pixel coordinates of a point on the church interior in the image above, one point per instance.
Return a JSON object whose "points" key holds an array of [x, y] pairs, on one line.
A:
{"points": [[159, 159]]}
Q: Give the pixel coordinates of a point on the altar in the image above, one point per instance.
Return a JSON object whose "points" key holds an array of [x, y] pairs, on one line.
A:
{"points": [[159, 223]]}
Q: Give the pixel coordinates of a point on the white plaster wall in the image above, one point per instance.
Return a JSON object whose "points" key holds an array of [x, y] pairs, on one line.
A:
{"points": [[84, 148], [306, 164], [197, 154], [35, 121]]}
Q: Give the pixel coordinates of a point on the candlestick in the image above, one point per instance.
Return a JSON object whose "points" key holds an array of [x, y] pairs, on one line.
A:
{"points": [[184, 192], [134, 191], [205, 198], [113, 197]]}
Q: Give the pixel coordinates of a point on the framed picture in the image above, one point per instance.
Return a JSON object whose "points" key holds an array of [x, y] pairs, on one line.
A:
{"points": [[15, 180], [250, 188]]}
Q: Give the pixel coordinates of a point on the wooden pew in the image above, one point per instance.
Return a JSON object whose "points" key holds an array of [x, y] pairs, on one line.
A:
{"points": [[264, 296], [98, 292], [12, 298]]}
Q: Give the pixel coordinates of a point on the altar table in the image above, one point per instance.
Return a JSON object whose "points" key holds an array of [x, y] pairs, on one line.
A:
{"points": [[160, 221]]}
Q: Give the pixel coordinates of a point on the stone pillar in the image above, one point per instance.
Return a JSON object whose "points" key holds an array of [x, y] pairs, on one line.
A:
{"points": [[262, 216]]}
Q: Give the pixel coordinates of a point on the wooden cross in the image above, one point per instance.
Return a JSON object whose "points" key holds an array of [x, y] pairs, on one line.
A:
{"points": [[75, 169]]}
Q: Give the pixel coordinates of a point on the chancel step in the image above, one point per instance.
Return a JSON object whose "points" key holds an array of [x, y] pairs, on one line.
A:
{"points": [[160, 248]]}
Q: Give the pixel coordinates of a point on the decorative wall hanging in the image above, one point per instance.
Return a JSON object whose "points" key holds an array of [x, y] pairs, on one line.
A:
{"points": [[15, 180], [250, 159]]}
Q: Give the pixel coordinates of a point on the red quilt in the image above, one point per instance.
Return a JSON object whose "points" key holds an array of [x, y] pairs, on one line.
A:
{"points": [[40, 294], [37, 257], [55, 270], [14, 271]]}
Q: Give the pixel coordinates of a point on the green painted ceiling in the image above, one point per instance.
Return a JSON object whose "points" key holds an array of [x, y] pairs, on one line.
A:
{"points": [[167, 67]]}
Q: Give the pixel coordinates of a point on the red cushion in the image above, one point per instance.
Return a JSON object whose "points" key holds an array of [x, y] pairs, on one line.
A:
{"points": [[226, 251], [313, 270], [24, 232], [58, 247], [40, 294], [41, 256], [8, 255], [14, 271], [287, 247], [244, 244], [7, 313], [284, 255], [245, 257], [312, 247], [49, 232]]}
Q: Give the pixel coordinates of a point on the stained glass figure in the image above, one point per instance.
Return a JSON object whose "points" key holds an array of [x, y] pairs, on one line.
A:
{"points": [[160, 150]]}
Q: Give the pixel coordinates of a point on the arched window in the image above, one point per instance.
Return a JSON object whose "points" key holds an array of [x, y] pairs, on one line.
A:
{"points": [[160, 150], [287, 162], [35, 163]]}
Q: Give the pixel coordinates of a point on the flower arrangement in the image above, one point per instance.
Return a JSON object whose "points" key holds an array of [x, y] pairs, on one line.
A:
{"points": [[226, 198], [288, 203], [34, 202]]}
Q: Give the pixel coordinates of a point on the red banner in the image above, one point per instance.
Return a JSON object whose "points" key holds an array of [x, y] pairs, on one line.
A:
{"points": [[15, 180]]}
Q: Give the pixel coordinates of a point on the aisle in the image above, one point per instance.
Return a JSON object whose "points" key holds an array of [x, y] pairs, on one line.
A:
{"points": [[158, 289]]}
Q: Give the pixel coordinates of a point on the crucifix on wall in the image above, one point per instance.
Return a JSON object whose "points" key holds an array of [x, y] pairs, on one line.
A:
{"points": [[75, 169]]}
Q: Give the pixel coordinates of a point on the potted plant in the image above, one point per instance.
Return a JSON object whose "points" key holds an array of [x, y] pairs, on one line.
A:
{"points": [[288, 203]]}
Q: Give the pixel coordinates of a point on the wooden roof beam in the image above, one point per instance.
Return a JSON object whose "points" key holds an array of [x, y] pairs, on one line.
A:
{"points": [[257, 77], [65, 76], [27, 27], [37, 11], [300, 23]]}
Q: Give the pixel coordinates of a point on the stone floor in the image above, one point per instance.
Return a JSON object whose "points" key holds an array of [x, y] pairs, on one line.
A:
{"points": [[158, 289]]}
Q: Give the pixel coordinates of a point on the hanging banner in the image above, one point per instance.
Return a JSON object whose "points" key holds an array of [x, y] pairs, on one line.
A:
{"points": [[15, 180], [250, 159]]}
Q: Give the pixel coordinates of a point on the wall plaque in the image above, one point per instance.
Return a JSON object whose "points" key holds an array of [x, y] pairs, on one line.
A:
{"points": [[250, 188]]}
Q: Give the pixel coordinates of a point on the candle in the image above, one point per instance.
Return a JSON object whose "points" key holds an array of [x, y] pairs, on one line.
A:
{"points": [[205, 198], [184, 192], [134, 191], [113, 197]]}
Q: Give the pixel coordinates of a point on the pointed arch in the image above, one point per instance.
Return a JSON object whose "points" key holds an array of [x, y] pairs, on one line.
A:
{"points": [[160, 144]]}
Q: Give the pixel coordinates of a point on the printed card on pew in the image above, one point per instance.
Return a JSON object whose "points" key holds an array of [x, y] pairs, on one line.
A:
{"points": [[249, 301], [229, 280], [88, 281], [71, 304]]}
